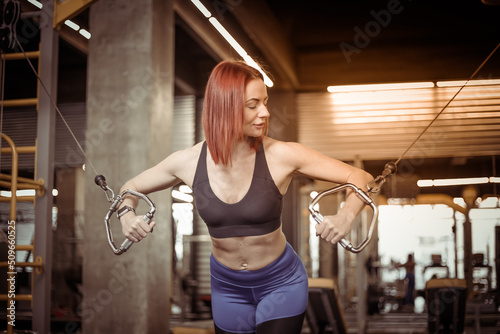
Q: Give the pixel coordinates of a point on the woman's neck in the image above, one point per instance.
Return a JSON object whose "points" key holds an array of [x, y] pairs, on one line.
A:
{"points": [[240, 149]]}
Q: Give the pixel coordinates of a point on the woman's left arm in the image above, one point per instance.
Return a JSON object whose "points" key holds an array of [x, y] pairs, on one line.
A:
{"points": [[315, 165]]}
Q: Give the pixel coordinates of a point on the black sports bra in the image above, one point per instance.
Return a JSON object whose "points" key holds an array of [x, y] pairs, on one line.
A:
{"points": [[258, 213]]}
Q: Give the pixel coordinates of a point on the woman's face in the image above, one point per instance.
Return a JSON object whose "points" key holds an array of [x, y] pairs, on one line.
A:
{"points": [[255, 113]]}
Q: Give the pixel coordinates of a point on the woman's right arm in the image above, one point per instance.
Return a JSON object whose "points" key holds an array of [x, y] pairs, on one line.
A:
{"points": [[177, 167]]}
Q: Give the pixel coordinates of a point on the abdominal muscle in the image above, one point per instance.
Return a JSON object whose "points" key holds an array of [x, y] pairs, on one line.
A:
{"points": [[249, 253]]}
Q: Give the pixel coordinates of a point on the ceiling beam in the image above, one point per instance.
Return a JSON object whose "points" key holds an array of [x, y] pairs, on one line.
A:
{"points": [[67, 34], [75, 39], [209, 39], [262, 26], [67, 9]]}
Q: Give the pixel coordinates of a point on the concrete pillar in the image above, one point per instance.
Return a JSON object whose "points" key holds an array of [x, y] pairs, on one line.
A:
{"points": [[129, 122], [469, 194], [42, 282]]}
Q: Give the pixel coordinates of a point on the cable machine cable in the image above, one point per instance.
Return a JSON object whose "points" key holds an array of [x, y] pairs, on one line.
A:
{"points": [[56, 108]]}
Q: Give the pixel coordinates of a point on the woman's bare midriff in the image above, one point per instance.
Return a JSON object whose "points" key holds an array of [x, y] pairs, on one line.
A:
{"points": [[249, 253]]}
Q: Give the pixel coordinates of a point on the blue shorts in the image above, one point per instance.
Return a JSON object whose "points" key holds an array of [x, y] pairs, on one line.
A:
{"points": [[242, 299]]}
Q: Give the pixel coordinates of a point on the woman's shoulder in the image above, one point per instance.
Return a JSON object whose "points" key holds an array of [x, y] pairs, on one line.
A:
{"points": [[288, 155], [183, 163], [189, 153], [283, 159], [184, 160], [282, 148]]}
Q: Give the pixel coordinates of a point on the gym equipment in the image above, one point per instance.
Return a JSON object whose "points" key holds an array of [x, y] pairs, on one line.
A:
{"points": [[324, 313], [100, 180], [10, 14], [373, 187], [446, 301], [364, 197]]}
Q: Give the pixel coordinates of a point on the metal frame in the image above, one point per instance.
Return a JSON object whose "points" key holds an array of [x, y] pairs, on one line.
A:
{"points": [[49, 50], [15, 182]]}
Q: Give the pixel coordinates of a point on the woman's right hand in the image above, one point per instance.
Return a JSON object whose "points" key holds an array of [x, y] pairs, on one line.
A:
{"points": [[134, 227]]}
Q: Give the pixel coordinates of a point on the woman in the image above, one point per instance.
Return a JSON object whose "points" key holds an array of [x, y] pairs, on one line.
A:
{"points": [[238, 177]]}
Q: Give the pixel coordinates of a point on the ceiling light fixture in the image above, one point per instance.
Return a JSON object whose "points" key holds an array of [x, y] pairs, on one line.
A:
{"points": [[230, 39], [36, 3], [379, 87], [76, 27], [457, 182], [72, 25], [85, 33], [460, 83], [202, 8]]}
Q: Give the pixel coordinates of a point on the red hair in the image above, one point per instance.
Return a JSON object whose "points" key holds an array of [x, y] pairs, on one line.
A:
{"points": [[223, 108]]}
